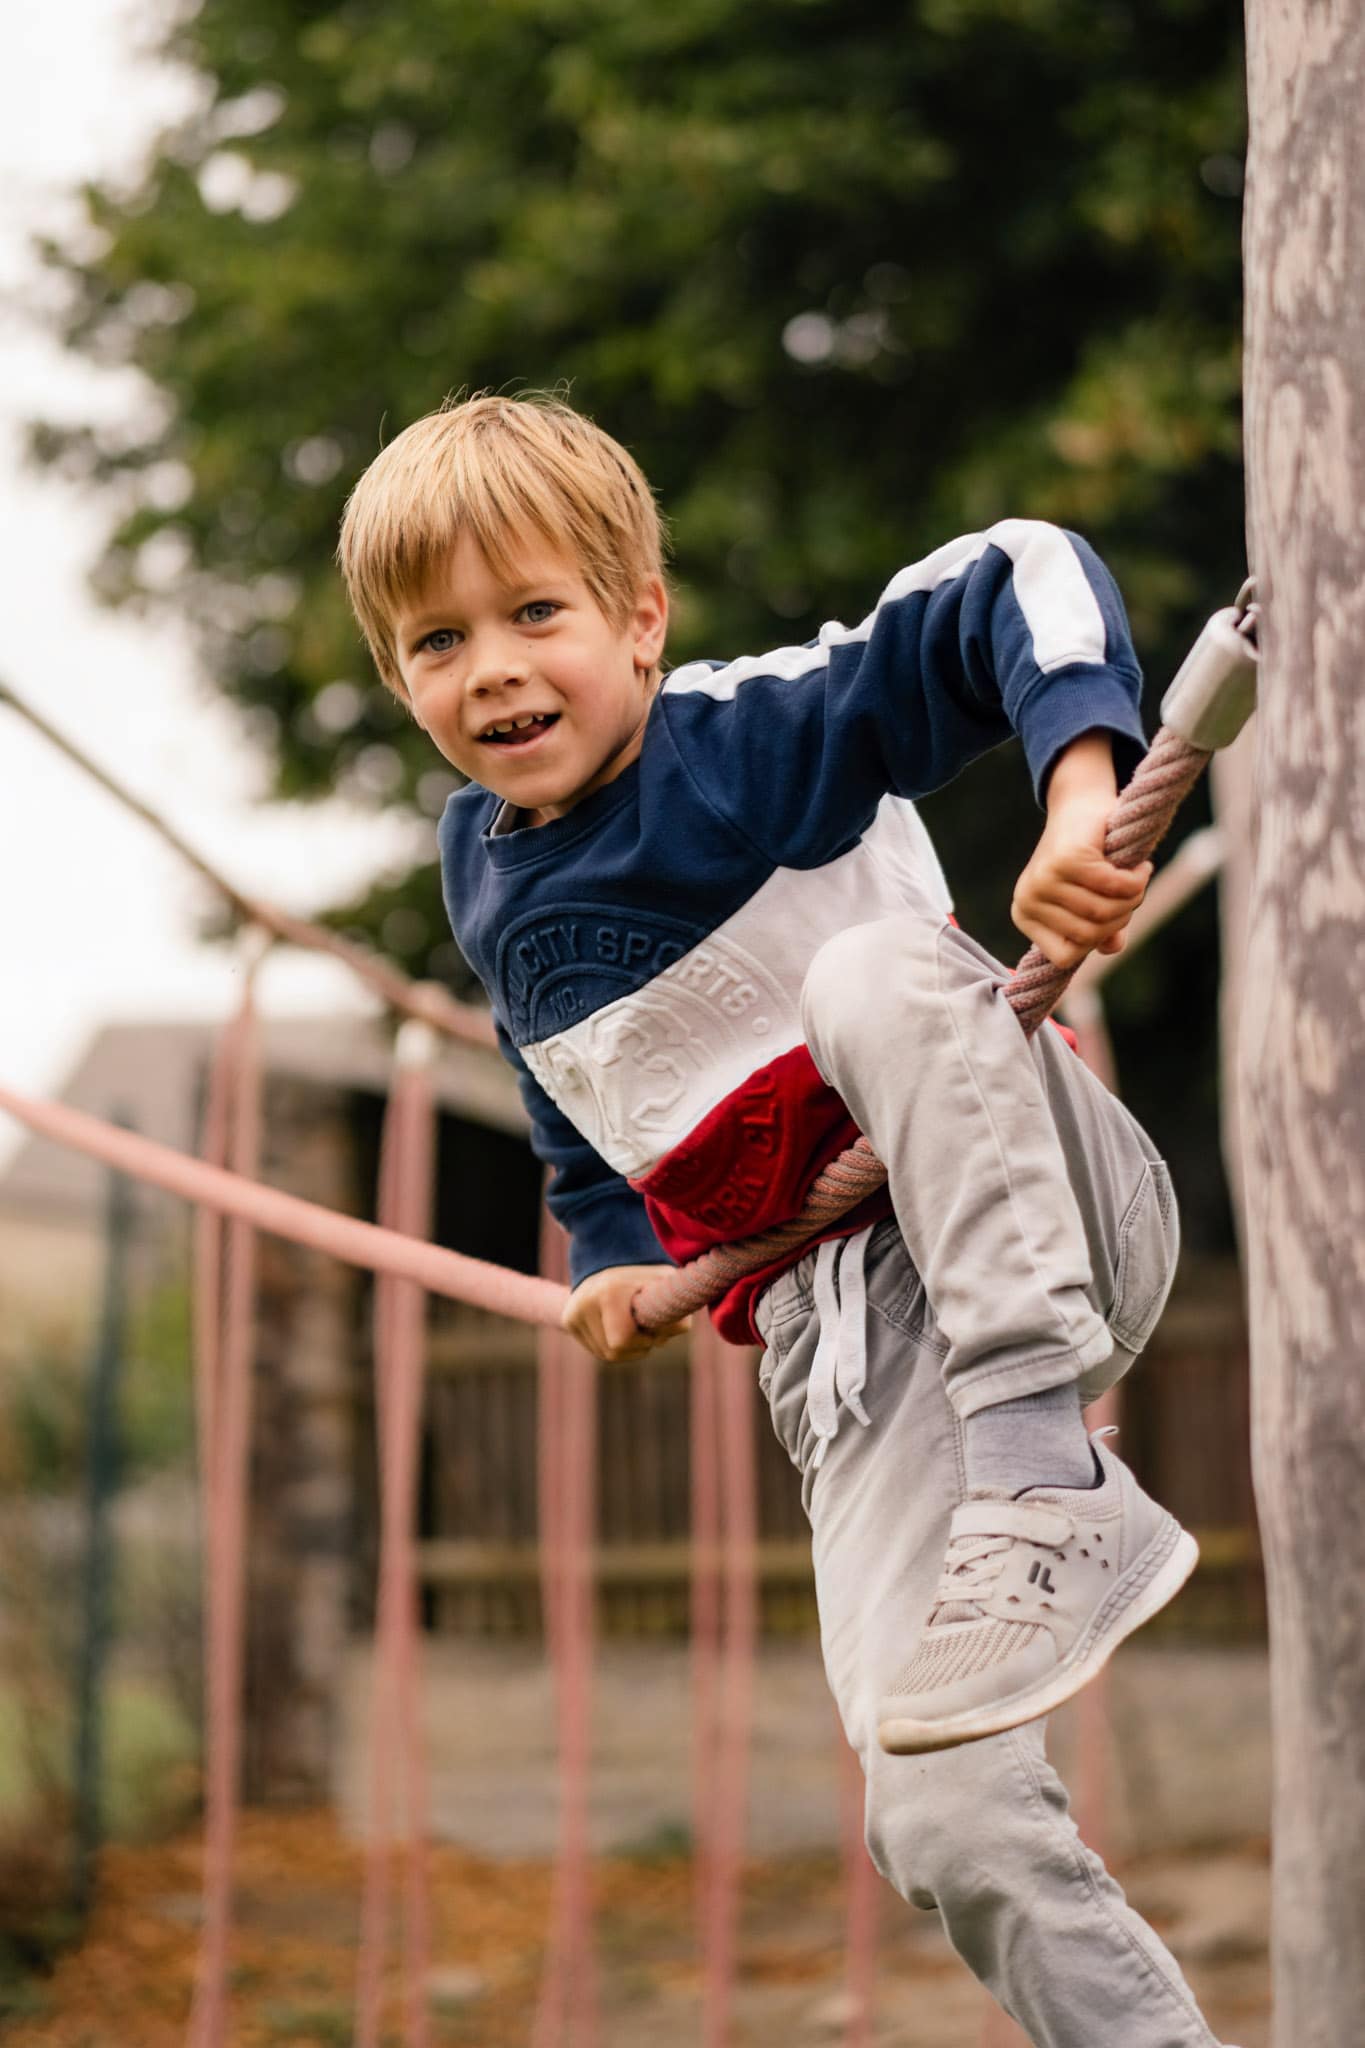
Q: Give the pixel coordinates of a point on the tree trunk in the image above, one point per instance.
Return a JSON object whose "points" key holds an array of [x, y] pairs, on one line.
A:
{"points": [[1303, 1020], [1232, 773]]}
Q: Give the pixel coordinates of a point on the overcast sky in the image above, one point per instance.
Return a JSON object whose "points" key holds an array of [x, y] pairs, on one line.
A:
{"points": [[96, 920]]}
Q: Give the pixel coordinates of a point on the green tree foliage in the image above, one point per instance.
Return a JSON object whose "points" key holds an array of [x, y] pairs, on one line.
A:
{"points": [[848, 281]]}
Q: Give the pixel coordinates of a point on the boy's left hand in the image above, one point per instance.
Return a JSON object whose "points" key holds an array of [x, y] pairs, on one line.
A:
{"points": [[599, 1313], [1070, 900]]}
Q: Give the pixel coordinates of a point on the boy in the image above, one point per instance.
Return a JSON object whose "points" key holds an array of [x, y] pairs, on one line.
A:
{"points": [[717, 943]]}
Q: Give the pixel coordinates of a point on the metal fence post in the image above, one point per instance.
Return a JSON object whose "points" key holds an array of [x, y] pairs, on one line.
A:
{"points": [[101, 1481]]}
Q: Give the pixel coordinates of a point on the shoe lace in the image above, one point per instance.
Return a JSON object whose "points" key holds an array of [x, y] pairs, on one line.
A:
{"points": [[971, 1565]]}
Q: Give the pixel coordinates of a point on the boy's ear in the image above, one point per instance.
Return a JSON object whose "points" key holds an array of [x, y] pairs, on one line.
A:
{"points": [[649, 623]]}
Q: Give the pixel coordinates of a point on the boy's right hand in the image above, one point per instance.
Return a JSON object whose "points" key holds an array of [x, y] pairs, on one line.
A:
{"points": [[598, 1314]]}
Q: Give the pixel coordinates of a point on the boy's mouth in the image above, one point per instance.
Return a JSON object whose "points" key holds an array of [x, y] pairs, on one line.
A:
{"points": [[513, 734]]}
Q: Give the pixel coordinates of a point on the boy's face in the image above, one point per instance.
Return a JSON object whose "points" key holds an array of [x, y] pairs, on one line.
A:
{"points": [[524, 683]]}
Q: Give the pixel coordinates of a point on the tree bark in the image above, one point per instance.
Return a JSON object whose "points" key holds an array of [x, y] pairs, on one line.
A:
{"points": [[1232, 774], [1303, 1020]]}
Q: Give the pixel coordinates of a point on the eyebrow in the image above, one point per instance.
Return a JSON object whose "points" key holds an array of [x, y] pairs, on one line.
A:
{"points": [[419, 623], [516, 595]]}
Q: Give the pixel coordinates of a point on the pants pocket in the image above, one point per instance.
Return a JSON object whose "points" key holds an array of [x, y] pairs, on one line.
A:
{"points": [[1148, 1246], [784, 1377]]}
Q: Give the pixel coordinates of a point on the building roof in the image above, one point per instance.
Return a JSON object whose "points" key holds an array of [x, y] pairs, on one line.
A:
{"points": [[151, 1073]]}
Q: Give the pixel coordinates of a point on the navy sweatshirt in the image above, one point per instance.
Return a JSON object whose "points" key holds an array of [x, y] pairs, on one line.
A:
{"points": [[644, 954]]}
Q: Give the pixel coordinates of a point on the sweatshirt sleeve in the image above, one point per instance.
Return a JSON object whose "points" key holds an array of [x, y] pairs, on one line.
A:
{"points": [[604, 1217], [1019, 630]]}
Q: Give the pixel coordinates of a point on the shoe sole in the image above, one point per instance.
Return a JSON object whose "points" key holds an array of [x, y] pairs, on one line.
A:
{"points": [[902, 1736]]}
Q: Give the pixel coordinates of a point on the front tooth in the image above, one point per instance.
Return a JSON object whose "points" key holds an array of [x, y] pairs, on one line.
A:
{"points": [[522, 723], [509, 727]]}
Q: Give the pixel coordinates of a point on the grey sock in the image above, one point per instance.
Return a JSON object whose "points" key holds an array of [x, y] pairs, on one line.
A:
{"points": [[1038, 1440]]}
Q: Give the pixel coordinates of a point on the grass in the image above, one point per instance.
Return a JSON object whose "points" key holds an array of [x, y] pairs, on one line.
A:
{"points": [[150, 1760], [325, 2024]]}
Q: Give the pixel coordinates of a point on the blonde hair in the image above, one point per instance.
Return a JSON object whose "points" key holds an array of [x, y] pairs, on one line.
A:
{"points": [[499, 469]]}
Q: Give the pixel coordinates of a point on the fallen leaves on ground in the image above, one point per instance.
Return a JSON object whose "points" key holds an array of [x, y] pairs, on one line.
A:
{"points": [[295, 1922]]}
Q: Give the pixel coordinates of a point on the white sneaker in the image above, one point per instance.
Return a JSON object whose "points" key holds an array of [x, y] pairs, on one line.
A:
{"points": [[1036, 1593]]}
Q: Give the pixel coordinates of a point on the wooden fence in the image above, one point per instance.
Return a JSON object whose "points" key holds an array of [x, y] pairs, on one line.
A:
{"points": [[1185, 1431]]}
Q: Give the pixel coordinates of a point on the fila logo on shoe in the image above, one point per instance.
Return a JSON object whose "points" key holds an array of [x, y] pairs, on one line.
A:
{"points": [[1040, 1576]]}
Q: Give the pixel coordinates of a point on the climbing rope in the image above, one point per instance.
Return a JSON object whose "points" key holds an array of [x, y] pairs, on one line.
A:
{"points": [[454, 1274], [225, 1288], [397, 1737], [724, 1682], [424, 1002], [568, 2011]]}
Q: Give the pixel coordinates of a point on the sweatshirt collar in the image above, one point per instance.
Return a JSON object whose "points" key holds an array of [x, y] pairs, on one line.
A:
{"points": [[508, 844]]}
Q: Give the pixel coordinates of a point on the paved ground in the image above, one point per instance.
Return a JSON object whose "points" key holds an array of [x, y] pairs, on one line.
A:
{"points": [[1186, 1819], [1186, 1731]]}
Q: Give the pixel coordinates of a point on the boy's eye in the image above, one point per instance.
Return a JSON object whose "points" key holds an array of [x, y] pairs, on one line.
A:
{"points": [[440, 641], [539, 610]]}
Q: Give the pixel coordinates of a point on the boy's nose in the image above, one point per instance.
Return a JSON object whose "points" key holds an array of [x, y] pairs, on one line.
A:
{"points": [[488, 685], [496, 667]]}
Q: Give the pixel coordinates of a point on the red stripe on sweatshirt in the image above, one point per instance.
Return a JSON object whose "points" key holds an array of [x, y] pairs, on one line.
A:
{"points": [[748, 1165]]}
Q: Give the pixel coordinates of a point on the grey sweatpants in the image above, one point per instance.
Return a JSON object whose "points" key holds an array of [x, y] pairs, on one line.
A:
{"points": [[1033, 1242]]}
